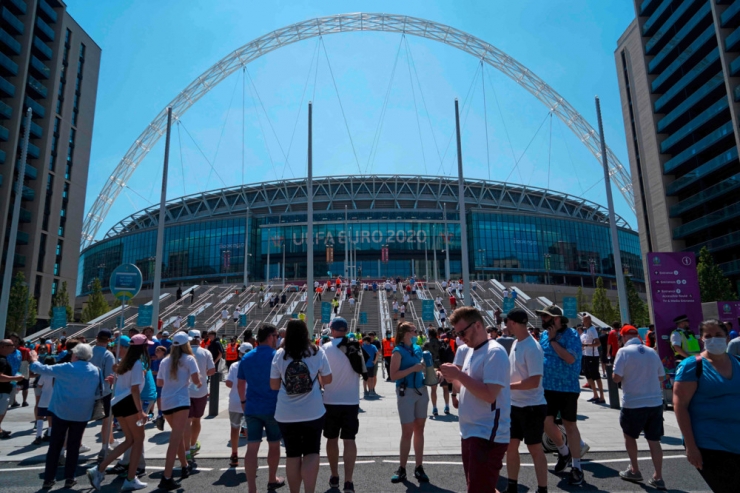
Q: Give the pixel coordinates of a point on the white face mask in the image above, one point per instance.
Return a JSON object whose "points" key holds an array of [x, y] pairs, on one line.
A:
{"points": [[715, 345]]}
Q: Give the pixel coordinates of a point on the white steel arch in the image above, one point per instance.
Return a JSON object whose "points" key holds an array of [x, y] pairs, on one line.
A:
{"points": [[339, 24]]}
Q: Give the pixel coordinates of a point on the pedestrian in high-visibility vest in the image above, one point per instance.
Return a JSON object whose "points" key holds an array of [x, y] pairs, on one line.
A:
{"points": [[232, 352], [388, 346]]}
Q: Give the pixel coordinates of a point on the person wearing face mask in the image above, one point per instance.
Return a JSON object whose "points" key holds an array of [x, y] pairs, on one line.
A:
{"points": [[706, 389], [407, 368], [683, 341], [562, 367]]}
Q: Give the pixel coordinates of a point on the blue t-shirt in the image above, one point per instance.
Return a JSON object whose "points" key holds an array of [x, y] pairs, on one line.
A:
{"points": [[166, 343], [255, 369], [372, 351], [715, 426], [154, 364], [152, 348], [149, 392], [558, 375], [409, 358]]}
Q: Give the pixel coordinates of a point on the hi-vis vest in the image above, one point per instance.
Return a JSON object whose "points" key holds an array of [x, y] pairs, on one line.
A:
{"points": [[232, 352], [387, 348], [689, 343]]}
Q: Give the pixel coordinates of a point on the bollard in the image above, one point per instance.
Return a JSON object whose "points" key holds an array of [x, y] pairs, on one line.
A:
{"points": [[613, 389], [213, 398]]}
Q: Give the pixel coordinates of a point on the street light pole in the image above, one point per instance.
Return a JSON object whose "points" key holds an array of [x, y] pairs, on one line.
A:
{"points": [[461, 206], [160, 226], [309, 225], [434, 252], [447, 245], [269, 247], [624, 308], [346, 246], [246, 248]]}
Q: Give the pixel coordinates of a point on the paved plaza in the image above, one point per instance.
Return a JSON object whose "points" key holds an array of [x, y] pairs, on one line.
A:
{"points": [[378, 437]]}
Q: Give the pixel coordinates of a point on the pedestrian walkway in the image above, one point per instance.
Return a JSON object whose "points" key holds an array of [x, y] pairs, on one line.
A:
{"points": [[379, 434]]}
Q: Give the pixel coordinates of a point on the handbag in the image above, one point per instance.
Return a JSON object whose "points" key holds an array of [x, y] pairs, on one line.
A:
{"points": [[98, 412]]}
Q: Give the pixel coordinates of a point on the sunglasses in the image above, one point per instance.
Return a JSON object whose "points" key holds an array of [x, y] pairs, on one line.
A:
{"points": [[461, 333]]}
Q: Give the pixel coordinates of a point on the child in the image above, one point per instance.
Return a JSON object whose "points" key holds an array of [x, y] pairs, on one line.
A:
{"points": [[46, 384], [159, 353]]}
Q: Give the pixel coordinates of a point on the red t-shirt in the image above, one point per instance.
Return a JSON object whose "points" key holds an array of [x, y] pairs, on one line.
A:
{"points": [[613, 341]]}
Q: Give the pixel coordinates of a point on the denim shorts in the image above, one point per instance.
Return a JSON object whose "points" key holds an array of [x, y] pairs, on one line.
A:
{"points": [[257, 422]]}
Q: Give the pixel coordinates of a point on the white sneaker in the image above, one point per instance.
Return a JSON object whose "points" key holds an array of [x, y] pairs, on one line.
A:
{"points": [[114, 444], [84, 449], [132, 485], [584, 449], [96, 477]]}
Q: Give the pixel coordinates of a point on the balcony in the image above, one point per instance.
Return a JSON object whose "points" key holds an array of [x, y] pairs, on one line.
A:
{"points": [[19, 260], [9, 19], [38, 110], [33, 151], [713, 165], [702, 119], [697, 148], [733, 40], [41, 69], [650, 26], [667, 28], [6, 87], [712, 193], [18, 6], [36, 130], [37, 87], [28, 193], [2, 156], [4, 133], [8, 65], [5, 111], [689, 55], [10, 42], [30, 172], [48, 12], [25, 216], [716, 82], [731, 16], [44, 29], [702, 17], [713, 219], [20, 239], [42, 48], [647, 7], [706, 64]]}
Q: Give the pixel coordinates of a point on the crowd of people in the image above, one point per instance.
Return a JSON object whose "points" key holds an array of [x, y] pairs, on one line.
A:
{"points": [[509, 384]]}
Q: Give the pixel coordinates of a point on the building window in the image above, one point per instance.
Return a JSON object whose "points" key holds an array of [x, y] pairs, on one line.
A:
{"points": [[63, 73], [78, 85], [54, 144], [42, 253], [54, 286]]}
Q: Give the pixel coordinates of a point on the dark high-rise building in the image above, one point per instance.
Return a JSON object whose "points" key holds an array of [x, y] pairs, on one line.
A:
{"points": [[679, 76], [678, 66], [47, 63]]}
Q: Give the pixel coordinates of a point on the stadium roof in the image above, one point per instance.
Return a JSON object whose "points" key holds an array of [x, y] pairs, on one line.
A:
{"points": [[367, 192]]}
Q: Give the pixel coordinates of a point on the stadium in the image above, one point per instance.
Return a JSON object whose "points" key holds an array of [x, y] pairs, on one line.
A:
{"points": [[517, 234]]}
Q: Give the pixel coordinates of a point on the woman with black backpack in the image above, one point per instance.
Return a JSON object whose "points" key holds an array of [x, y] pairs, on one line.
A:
{"points": [[296, 367]]}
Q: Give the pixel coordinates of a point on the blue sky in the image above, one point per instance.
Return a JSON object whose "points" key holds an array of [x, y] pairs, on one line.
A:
{"points": [[153, 49]]}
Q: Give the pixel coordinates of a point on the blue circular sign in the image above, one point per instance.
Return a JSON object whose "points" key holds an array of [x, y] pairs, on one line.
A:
{"points": [[125, 281]]}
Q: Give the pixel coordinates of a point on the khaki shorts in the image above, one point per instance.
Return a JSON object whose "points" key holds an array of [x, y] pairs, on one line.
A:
{"points": [[413, 405]]}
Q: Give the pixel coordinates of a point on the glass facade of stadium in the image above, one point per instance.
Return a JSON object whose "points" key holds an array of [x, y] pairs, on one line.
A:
{"points": [[515, 234]]}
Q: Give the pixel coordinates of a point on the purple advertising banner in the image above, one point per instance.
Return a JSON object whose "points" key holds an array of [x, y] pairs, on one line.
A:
{"points": [[726, 311], [674, 285]]}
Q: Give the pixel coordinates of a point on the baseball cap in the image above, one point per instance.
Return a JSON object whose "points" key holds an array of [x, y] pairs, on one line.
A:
{"points": [[194, 334], [105, 334], [245, 347], [180, 339], [517, 315], [165, 334], [125, 341], [680, 318], [552, 310], [627, 329], [733, 334], [339, 324], [141, 340]]}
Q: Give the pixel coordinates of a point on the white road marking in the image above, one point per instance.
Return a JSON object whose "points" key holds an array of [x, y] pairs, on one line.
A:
{"points": [[281, 466]]}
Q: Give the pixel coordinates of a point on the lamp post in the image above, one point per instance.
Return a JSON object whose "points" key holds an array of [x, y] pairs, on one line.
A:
{"points": [[282, 247], [269, 247], [246, 249], [447, 245], [434, 252]]}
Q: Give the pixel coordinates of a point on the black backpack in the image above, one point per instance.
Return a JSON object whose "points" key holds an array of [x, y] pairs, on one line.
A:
{"points": [[298, 379], [354, 353]]}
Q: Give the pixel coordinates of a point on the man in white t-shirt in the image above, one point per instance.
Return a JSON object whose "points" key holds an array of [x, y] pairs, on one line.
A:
{"points": [[641, 372], [528, 404], [198, 396], [342, 403], [590, 347], [506, 292], [236, 410], [485, 406]]}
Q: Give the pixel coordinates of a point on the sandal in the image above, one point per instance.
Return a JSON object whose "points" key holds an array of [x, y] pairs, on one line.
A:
{"points": [[234, 460]]}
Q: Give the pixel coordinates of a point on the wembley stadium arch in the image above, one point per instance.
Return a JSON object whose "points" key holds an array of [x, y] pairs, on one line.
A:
{"points": [[343, 23]]}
